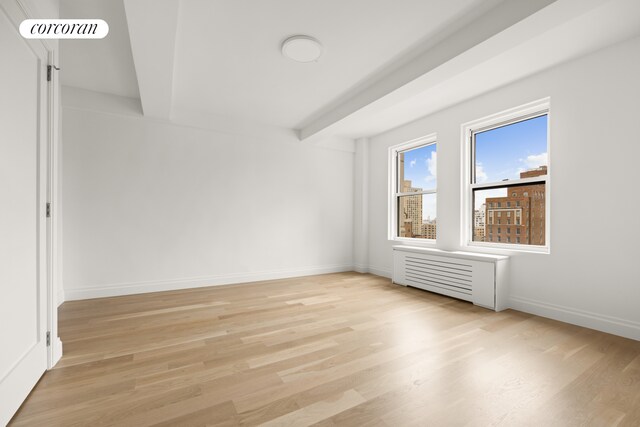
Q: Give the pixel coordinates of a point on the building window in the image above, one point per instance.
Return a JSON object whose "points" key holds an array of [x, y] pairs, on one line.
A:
{"points": [[413, 194], [508, 166]]}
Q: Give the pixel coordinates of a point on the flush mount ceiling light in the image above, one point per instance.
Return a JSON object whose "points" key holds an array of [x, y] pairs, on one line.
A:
{"points": [[302, 48]]}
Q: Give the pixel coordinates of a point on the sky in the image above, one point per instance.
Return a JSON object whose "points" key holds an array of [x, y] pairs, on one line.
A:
{"points": [[501, 153], [420, 166], [504, 152]]}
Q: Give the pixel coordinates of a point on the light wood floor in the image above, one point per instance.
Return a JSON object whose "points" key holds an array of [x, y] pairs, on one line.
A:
{"points": [[339, 349]]}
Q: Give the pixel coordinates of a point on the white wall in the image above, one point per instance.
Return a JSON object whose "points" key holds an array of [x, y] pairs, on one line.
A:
{"points": [[591, 276], [150, 205]]}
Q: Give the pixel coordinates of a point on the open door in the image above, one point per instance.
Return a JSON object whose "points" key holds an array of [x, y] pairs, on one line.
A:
{"points": [[23, 226]]}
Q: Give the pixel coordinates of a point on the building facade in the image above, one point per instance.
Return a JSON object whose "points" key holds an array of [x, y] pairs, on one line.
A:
{"points": [[520, 217]]}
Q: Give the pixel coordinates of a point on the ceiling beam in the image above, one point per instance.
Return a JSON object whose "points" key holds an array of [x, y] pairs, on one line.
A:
{"points": [[152, 29], [398, 84]]}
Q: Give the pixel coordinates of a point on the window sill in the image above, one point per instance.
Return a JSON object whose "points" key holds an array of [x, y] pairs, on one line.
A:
{"points": [[431, 243], [505, 249]]}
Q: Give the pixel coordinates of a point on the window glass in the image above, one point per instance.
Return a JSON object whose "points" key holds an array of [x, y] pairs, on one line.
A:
{"points": [[506, 152], [417, 169], [417, 216]]}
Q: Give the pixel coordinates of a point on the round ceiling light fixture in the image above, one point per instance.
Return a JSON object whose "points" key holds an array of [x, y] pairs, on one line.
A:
{"points": [[302, 48]]}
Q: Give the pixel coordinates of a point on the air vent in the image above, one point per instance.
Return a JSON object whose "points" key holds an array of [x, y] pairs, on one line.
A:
{"points": [[449, 275]]}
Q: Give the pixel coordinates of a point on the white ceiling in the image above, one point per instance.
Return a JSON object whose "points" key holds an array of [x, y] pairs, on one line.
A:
{"points": [[100, 65], [218, 62], [228, 60]]}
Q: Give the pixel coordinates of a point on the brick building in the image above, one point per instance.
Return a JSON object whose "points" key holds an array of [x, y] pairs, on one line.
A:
{"points": [[520, 216]]}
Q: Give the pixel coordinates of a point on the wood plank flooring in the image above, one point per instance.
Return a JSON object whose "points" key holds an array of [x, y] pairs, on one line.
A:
{"points": [[338, 349]]}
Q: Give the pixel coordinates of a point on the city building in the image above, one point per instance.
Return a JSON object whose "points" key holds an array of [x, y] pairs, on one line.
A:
{"points": [[410, 219], [479, 216], [520, 216]]}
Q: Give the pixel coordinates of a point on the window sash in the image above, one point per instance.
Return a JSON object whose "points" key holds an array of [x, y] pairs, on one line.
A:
{"points": [[497, 125], [416, 193], [509, 183], [395, 180], [469, 129]]}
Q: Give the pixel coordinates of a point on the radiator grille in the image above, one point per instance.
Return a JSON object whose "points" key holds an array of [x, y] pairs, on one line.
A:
{"points": [[451, 275]]}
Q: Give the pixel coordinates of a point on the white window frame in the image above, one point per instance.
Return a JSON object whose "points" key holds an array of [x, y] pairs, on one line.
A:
{"points": [[394, 194], [514, 115]]}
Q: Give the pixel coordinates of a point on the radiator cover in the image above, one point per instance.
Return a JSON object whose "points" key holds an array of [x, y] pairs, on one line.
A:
{"points": [[478, 278]]}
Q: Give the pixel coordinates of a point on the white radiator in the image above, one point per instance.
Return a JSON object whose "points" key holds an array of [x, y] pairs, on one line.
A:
{"points": [[478, 278]]}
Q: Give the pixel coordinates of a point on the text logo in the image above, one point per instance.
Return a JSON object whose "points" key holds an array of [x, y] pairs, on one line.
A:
{"points": [[64, 28]]}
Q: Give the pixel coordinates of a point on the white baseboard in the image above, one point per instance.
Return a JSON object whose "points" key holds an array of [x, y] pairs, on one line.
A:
{"points": [[599, 322], [380, 271], [60, 299], [359, 268], [119, 289]]}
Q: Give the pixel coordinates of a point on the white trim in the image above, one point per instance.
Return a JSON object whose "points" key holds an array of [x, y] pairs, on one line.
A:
{"points": [[429, 139], [452, 254], [509, 183], [587, 319], [415, 241], [541, 106], [119, 289]]}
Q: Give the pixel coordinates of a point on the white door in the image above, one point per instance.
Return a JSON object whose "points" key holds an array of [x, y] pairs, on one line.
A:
{"points": [[23, 174]]}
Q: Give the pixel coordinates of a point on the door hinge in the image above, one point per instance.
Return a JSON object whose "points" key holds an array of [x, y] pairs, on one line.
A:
{"points": [[48, 209], [50, 69], [48, 339]]}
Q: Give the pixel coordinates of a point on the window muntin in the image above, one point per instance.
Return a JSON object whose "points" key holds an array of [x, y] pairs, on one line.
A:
{"points": [[414, 199], [509, 172]]}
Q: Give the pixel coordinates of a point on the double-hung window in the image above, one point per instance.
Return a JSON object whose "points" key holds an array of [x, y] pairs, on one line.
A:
{"points": [[412, 204], [507, 176]]}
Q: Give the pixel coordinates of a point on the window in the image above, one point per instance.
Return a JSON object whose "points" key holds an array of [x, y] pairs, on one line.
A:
{"points": [[413, 194], [508, 166]]}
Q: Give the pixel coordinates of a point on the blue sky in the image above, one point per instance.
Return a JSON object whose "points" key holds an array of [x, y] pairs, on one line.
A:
{"points": [[420, 166], [504, 152], [501, 153]]}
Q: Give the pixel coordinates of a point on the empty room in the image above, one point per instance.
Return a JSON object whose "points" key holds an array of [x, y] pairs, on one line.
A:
{"points": [[319, 212]]}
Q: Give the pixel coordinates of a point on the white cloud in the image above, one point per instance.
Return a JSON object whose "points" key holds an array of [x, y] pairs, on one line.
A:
{"points": [[432, 166], [536, 160], [481, 175], [412, 163]]}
